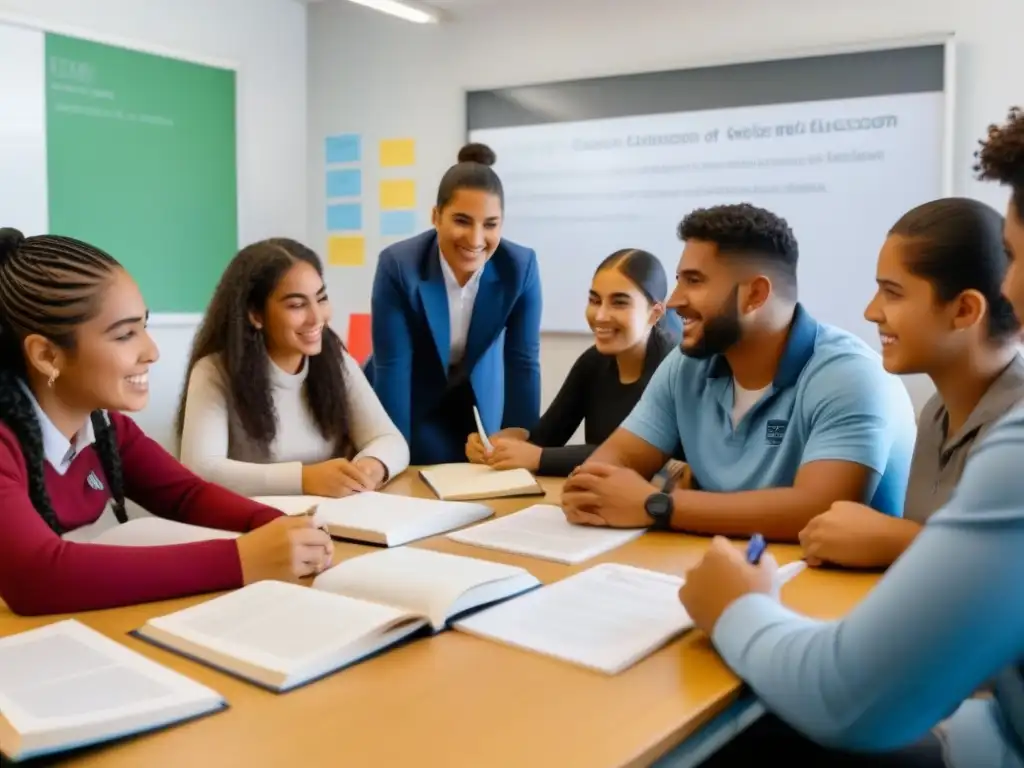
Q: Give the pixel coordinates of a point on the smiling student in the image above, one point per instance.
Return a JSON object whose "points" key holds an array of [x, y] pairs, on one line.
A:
{"points": [[74, 352], [892, 683], [456, 320], [939, 312], [779, 416], [626, 312], [274, 404]]}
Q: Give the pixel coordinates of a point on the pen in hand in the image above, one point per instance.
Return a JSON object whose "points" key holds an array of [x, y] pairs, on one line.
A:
{"points": [[756, 548]]}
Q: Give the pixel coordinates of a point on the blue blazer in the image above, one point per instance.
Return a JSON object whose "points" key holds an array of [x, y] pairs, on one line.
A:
{"points": [[411, 340]]}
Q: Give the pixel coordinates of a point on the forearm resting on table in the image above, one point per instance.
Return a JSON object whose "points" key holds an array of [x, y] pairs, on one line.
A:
{"points": [[624, 449], [776, 513]]}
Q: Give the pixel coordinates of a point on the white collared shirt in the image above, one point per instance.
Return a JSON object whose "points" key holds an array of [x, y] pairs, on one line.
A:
{"points": [[57, 449], [461, 299]]}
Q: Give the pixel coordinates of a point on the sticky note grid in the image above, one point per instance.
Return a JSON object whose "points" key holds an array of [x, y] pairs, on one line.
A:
{"points": [[396, 190], [343, 191]]}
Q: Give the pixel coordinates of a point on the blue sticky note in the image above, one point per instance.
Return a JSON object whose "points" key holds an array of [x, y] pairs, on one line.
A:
{"points": [[343, 148], [397, 223], [344, 217], [344, 183]]}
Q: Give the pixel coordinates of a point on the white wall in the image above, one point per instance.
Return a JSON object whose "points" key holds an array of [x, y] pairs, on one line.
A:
{"points": [[382, 77], [267, 40]]}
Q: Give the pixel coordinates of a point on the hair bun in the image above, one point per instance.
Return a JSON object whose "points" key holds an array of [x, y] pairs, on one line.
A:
{"points": [[477, 153], [10, 240]]}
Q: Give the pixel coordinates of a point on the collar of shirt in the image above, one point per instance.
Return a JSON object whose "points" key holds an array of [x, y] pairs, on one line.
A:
{"points": [[57, 449], [1002, 395], [451, 283]]}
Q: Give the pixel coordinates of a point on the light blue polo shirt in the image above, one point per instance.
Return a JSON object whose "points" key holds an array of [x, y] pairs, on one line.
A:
{"points": [[830, 400]]}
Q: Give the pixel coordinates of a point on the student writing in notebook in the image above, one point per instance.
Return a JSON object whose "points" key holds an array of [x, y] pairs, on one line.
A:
{"points": [[456, 320], [632, 335], [939, 312], [275, 406], [892, 683], [74, 352], [779, 416]]}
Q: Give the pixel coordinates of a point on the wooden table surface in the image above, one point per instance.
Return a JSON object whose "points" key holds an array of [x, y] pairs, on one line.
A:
{"points": [[458, 701]]}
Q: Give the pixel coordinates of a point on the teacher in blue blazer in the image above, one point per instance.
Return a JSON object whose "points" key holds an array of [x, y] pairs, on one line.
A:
{"points": [[456, 320]]}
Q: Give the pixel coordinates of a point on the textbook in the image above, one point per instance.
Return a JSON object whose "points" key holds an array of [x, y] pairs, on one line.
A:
{"points": [[606, 618], [383, 518], [64, 686], [542, 531], [281, 635], [470, 482]]}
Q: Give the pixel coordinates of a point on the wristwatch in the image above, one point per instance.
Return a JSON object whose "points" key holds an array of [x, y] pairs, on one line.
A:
{"points": [[659, 506]]}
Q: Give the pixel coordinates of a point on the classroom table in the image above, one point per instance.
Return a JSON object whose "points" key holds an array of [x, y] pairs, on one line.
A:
{"points": [[458, 701]]}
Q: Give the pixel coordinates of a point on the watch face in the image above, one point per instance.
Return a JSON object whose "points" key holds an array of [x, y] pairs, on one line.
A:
{"points": [[658, 505]]}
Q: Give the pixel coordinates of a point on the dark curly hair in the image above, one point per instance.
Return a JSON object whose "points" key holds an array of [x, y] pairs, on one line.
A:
{"points": [[227, 331], [1001, 157], [49, 286], [751, 233]]}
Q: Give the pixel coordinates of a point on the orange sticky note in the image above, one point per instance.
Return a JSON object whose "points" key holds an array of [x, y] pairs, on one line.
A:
{"points": [[397, 153], [346, 250]]}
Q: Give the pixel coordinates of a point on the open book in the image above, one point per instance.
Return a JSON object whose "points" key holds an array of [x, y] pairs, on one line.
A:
{"points": [[468, 482], [542, 531], [606, 618], [64, 686], [382, 518], [282, 635], [157, 532]]}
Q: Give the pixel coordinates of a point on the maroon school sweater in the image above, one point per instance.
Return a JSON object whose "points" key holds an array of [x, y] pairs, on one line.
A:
{"points": [[40, 573]]}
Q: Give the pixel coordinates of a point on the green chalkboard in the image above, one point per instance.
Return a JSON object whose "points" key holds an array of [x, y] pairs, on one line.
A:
{"points": [[141, 162]]}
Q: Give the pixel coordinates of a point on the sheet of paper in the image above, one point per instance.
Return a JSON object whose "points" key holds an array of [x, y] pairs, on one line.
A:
{"points": [[157, 532], [542, 531], [278, 626], [66, 674], [605, 618], [419, 580], [291, 505]]}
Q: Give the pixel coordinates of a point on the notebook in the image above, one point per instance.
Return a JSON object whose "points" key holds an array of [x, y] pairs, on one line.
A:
{"points": [[157, 532], [542, 531], [64, 686], [606, 618], [384, 518], [469, 482], [280, 635]]}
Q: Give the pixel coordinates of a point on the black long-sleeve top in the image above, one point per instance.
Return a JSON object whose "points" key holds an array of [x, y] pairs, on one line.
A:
{"points": [[592, 393]]}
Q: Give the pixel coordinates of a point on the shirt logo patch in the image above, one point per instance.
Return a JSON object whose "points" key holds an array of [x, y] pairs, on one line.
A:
{"points": [[94, 482], [775, 431]]}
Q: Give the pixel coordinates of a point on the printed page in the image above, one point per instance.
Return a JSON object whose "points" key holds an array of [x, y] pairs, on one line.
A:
{"points": [[606, 618], [450, 480], [291, 505], [398, 519], [279, 626], [65, 675], [420, 580], [542, 531], [157, 532]]}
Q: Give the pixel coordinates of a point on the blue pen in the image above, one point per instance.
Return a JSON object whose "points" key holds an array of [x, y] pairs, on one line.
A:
{"points": [[756, 548]]}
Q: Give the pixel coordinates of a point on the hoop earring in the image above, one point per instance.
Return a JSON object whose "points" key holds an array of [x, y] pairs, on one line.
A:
{"points": [[53, 378]]}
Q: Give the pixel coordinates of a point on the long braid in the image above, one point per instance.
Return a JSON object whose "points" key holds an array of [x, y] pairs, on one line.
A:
{"points": [[49, 285], [106, 447]]}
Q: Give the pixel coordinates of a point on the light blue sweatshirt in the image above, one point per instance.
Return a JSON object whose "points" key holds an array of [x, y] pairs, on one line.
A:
{"points": [[945, 619]]}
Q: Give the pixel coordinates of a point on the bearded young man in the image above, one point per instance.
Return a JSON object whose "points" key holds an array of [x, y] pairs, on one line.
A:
{"points": [[779, 416]]}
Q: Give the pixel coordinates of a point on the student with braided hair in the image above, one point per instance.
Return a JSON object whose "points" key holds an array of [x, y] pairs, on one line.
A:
{"points": [[74, 353]]}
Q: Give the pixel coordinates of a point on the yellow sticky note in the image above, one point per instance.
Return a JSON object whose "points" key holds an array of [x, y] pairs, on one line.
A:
{"points": [[396, 153], [397, 194], [346, 250]]}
